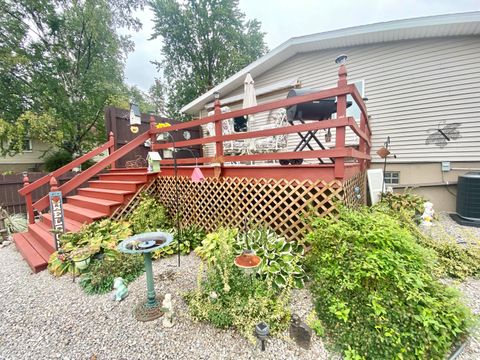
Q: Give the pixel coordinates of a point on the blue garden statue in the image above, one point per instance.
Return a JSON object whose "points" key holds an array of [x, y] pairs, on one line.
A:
{"points": [[121, 290]]}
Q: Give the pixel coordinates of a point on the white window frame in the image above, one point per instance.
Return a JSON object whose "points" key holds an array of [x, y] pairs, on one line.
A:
{"points": [[350, 98], [30, 147], [389, 177]]}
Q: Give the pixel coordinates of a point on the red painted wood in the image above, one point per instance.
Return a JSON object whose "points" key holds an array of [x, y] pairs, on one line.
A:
{"points": [[96, 204], [340, 130], [116, 185], [352, 89], [125, 176], [81, 214], [75, 163], [260, 108], [70, 224], [28, 201], [43, 238], [218, 130], [95, 169], [107, 194], [291, 129], [33, 258], [111, 149]]}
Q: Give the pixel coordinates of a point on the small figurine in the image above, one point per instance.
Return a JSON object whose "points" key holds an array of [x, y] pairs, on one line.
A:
{"points": [[121, 290], [167, 307], [428, 213], [300, 332]]}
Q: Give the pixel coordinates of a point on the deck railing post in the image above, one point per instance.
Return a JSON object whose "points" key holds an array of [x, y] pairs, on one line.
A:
{"points": [[340, 131], [218, 128], [152, 135], [28, 200], [362, 147], [111, 149]]}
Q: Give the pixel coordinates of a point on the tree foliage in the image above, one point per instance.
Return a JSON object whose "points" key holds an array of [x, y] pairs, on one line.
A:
{"points": [[204, 42], [61, 63]]}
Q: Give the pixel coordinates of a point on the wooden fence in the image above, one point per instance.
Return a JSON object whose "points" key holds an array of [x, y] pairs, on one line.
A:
{"points": [[283, 205], [12, 201]]}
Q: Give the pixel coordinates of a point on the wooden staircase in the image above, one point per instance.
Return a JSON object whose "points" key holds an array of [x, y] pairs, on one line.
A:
{"points": [[98, 200]]}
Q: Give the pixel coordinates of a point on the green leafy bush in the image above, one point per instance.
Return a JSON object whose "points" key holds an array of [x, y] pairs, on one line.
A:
{"points": [[230, 298], [101, 237], [57, 159], [149, 215], [190, 238], [374, 292], [452, 259], [406, 201], [101, 274], [280, 259]]}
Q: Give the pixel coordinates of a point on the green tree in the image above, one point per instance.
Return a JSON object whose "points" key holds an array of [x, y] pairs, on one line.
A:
{"points": [[156, 94], [61, 63], [204, 42]]}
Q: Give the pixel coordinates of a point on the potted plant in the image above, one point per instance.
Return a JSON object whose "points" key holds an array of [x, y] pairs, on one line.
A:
{"points": [[81, 257]]}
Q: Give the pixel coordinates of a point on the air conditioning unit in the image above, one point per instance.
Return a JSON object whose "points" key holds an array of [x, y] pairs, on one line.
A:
{"points": [[468, 199]]}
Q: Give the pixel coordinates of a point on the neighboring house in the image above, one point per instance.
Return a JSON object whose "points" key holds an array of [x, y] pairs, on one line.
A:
{"points": [[31, 159], [419, 75]]}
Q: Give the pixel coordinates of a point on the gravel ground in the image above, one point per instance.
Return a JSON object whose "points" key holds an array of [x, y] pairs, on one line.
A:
{"points": [[47, 318]]}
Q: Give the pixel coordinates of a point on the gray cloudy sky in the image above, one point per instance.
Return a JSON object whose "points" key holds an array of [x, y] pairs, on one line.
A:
{"points": [[283, 19]]}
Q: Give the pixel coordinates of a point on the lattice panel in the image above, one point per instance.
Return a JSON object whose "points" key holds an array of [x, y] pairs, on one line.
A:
{"points": [[125, 210], [279, 204], [349, 196]]}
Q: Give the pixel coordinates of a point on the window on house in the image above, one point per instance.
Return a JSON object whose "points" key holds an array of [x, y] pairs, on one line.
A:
{"points": [[354, 110], [392, 177], [27, 144]]}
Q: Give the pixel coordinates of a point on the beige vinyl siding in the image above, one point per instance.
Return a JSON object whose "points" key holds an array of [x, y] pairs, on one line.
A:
{"points": [[412, 86], [27, 157]]}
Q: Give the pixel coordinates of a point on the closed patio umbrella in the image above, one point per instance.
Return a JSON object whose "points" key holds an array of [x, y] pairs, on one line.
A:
{"points": [[249, 97]]}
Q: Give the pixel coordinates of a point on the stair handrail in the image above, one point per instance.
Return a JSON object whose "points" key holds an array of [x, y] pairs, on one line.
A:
{"points": [[86, 175], [73, 164]]}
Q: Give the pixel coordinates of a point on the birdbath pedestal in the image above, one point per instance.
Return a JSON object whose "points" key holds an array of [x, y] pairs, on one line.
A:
{"points": [[145, 244]]}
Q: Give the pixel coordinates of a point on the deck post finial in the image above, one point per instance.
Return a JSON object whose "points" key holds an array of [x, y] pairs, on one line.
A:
{"points": [[26, 180], [53, 184], [110, 135], [152, 122]]}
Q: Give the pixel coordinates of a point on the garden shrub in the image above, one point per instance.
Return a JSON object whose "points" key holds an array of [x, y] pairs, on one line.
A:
{"points": [[99, 277], [190, 238], [227, 297], [280, 259], [374, 292], [452, 259], [101, 237], [149, 215], [57, 159]]}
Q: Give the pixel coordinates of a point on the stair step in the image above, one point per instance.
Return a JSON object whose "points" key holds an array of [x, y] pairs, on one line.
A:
{"points": [[30, 254], [128, 176], [41, 232], [116, 185], [128, 170], [82, 214], [97, 204], [107, 194], [70, 224]]}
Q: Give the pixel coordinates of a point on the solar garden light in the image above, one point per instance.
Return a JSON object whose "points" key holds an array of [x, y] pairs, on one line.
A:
{"points": [[262, 331], [341, 59]]}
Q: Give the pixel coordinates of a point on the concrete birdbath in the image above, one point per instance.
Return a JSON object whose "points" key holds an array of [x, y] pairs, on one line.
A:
{"points": [[145, 244]]}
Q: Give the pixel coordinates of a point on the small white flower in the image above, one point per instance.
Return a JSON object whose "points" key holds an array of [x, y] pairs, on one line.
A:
{"points": [[213, 295]]}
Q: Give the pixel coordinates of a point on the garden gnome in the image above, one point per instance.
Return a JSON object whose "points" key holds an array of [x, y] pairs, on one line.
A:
{"points": [[427, 215], [121, 290], [300, 332], [168, 309]]}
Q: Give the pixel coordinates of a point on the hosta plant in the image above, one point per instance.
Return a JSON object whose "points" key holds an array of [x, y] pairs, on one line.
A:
{"points": [[280, 259], [190, 238]]}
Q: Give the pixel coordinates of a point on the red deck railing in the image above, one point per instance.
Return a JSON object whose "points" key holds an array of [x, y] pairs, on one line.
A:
{"points": [[339, 153]]}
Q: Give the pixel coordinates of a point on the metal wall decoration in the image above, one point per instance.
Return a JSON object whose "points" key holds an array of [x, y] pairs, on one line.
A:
{"points": [[58, 222], [443, 134]]}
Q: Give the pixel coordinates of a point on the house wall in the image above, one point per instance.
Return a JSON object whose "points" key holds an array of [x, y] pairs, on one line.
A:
{"points": [[26, 160], [413, 88]]}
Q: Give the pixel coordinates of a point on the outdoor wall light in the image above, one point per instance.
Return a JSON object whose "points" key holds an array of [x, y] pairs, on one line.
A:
{"points": [[262, 331], [341, 59], [216, 95]]}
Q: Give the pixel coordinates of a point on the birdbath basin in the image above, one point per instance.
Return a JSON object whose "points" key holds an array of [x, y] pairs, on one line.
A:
{"points": [[247, 261], [145, 244]]}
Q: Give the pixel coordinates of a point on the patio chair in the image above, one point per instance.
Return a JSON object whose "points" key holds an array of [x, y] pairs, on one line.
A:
{"points": [[272, 143], [234, 147]]}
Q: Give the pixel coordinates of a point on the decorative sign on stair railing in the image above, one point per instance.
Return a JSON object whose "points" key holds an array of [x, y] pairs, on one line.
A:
{"points": [[58, 222]]}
